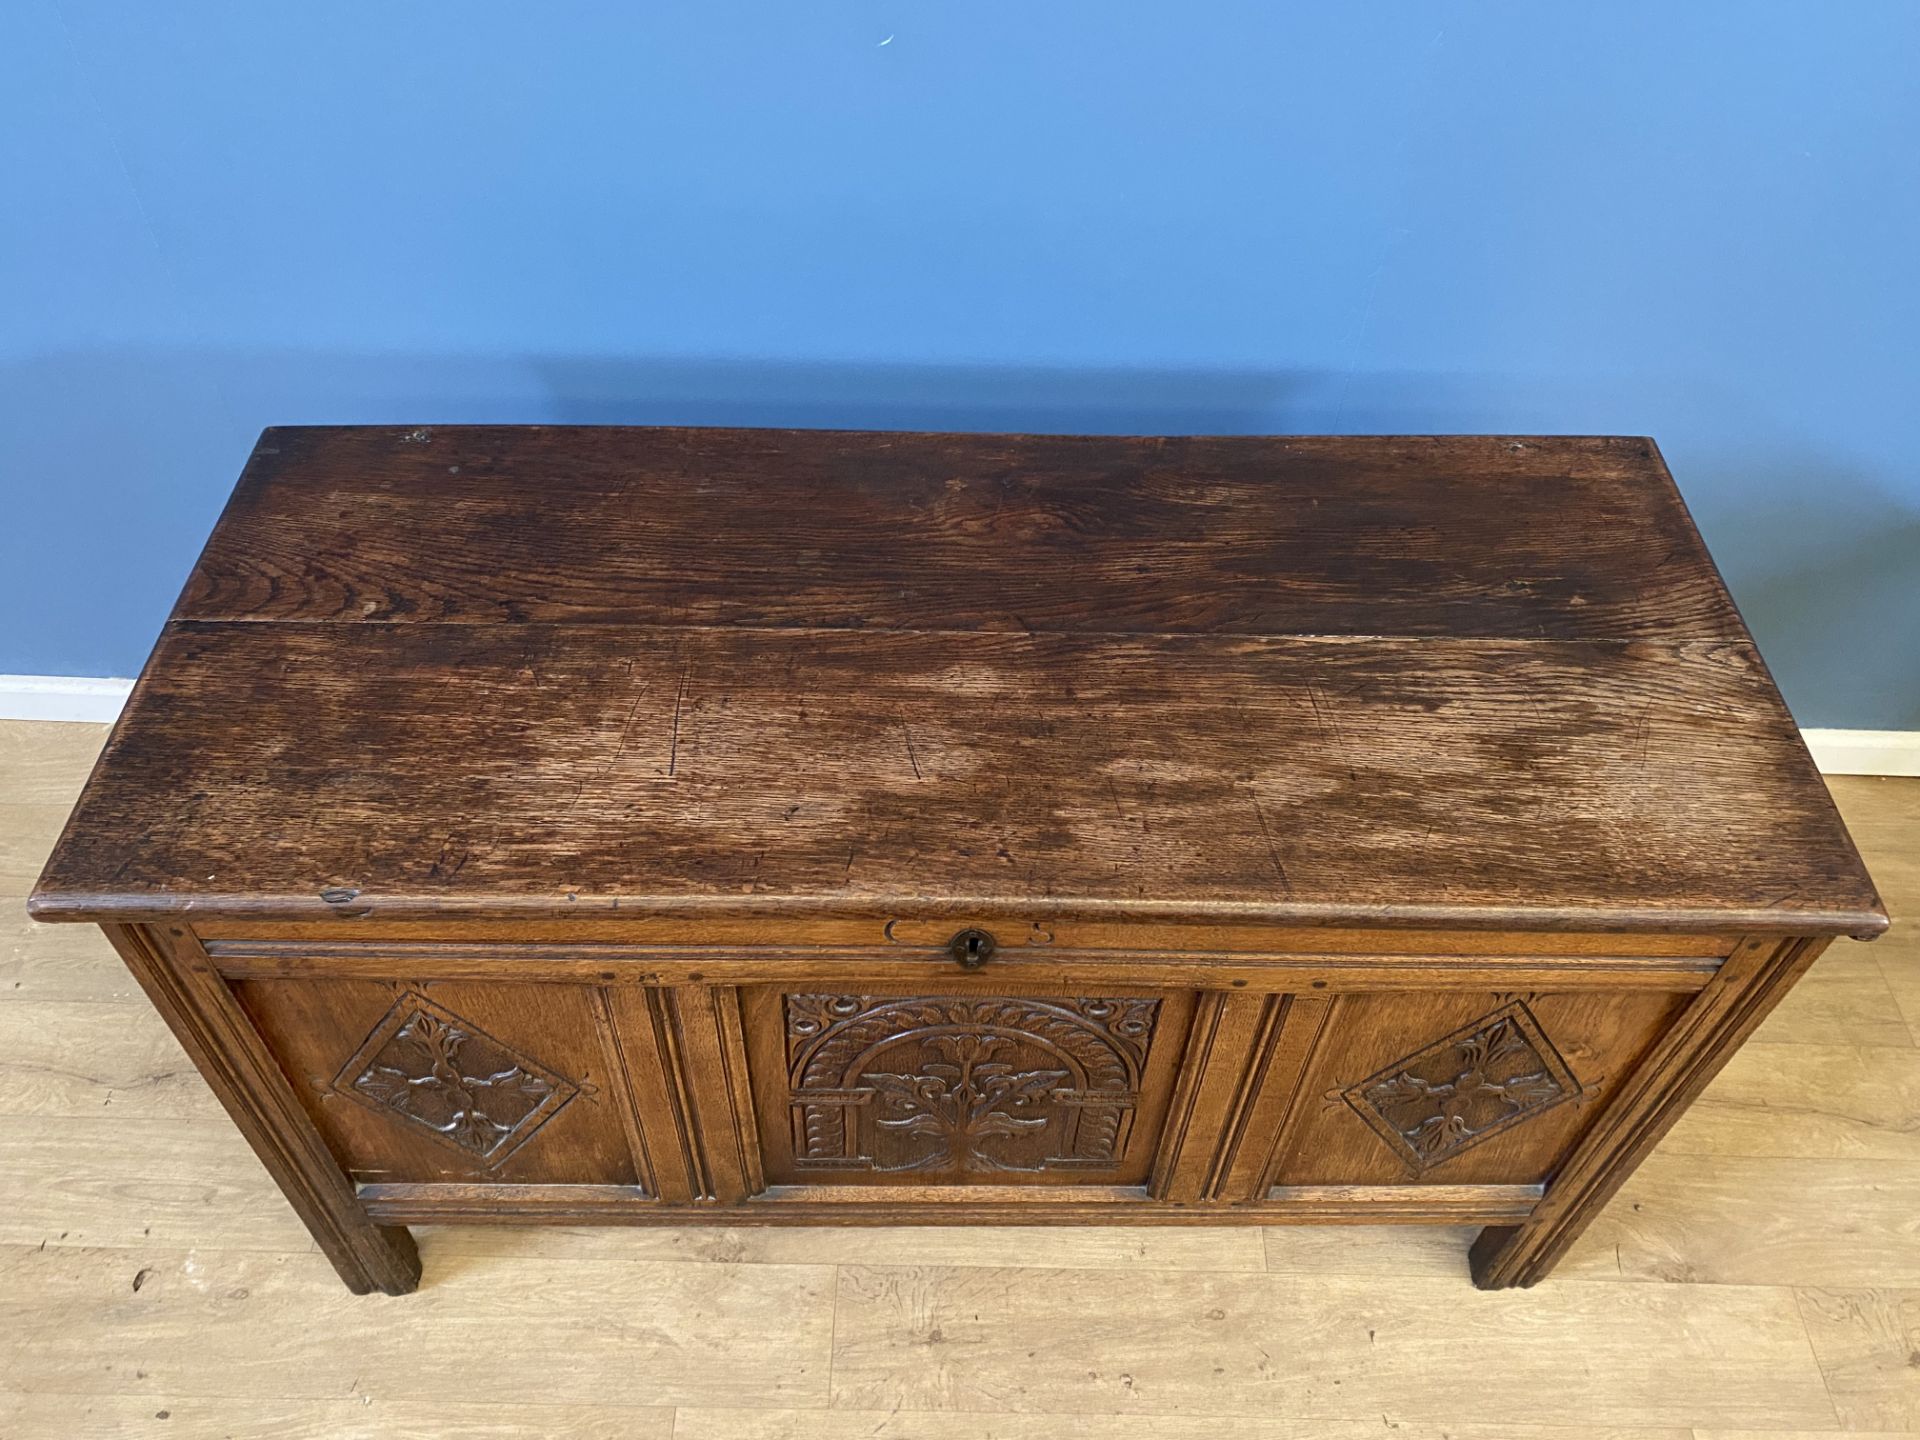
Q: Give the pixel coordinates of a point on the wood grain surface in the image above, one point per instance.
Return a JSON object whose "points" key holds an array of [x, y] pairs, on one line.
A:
{"points": [[532, 769], [1475, 681], [1486, 536]]}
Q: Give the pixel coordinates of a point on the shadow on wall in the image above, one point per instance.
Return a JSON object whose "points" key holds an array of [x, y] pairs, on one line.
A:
{"points": [[920, 397], [1825, 563]]}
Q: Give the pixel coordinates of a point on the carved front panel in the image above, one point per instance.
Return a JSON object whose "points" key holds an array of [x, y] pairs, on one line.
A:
{"points": [[978, 1089], [1465, 1087], [1462, 1087], [457, 1083], [454, 1082]]}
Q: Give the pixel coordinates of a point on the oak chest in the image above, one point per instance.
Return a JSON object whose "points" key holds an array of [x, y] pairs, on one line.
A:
{"points": [[663, 826]]}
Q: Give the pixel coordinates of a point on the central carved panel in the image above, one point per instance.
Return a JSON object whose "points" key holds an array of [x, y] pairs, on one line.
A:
{"points": [[964, 1086]]}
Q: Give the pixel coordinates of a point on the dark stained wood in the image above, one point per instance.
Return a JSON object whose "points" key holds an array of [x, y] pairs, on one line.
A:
{"points": [[1517, 537], [319, 1030], [414, 770], [405, 1204], [707, 927], [978, 1085], [595, 962], [570, 826]]}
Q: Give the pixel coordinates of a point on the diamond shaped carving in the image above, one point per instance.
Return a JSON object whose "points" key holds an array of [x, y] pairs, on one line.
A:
{"points": [[449, 1077], [1464, 1088]]}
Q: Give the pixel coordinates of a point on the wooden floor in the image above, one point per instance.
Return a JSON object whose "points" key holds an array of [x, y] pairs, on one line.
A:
{"points": [[1760, 1276]]}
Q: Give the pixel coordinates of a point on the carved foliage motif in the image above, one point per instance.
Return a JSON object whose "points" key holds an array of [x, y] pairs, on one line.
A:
{"points": [[1465, 1087], [454, 1080], [968, 1085]]}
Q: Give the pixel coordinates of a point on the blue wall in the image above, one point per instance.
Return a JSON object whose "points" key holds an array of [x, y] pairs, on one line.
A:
{"points": [[1699, 221]]}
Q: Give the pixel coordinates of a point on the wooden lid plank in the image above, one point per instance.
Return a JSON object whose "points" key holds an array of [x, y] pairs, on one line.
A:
{"points": [[536, 672]]}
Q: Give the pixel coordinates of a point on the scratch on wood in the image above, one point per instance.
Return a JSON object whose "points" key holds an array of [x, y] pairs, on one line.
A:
{"points": [[1273, 850], [626, 730], [453, 856], [1319, 715], [680, 695], [1328, 728], [912, 759]]}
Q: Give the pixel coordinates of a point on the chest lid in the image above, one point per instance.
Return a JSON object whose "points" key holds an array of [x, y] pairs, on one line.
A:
{"points": [[545, 671]]}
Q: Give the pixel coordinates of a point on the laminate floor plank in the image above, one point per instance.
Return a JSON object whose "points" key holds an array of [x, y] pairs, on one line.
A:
{"points": [[1868, 1344], [1844, 999], [241, 1326], [1883, 813], [695, 1424], [1384, 1251], [1903, 979], [1877, 808], [1737, 1220], [1850, 1102], [1321, 1347], [59, 962], [44, 762], [1082, 1247], [1898, 954], [64, 1057], [137, 1182], [27, 832], [357, 1417]]}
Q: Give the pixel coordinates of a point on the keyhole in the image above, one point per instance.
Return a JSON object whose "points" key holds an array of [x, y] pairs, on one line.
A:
{"points": [[971, 948]]}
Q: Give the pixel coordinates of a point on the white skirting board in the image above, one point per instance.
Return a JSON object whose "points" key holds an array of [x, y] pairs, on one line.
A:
{"points": [[80, 697], [62, 697], [1865, 752]]}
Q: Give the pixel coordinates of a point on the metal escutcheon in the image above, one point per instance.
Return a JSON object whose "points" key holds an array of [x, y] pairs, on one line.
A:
{"points": [[972, 948]]}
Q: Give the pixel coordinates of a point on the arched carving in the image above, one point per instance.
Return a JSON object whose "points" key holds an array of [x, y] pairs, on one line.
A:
{"points": [[962, 1085]]}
